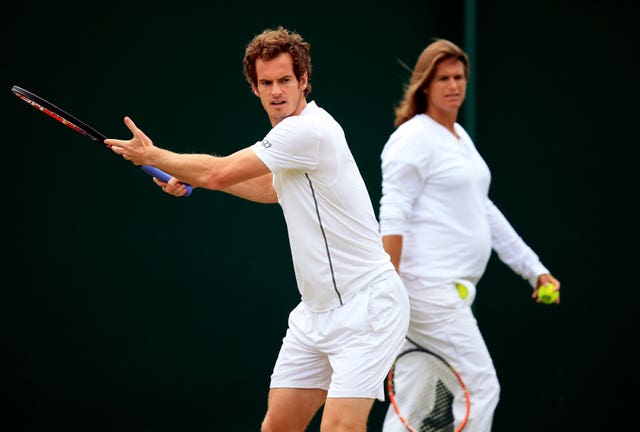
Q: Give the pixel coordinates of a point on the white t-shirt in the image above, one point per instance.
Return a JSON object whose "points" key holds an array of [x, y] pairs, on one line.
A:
{"points": [[435, 194], [333, 232]]}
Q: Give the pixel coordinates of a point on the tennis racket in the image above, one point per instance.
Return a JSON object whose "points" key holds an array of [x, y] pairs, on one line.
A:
{"points": [[82, 128], [422, 386]]}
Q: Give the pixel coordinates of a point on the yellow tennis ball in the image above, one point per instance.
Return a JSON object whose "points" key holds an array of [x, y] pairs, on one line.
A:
{"points": [[547, 294], [462, 290]]}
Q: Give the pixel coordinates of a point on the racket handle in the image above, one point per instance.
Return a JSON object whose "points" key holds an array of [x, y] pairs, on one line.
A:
{"points": [[162, 176]]}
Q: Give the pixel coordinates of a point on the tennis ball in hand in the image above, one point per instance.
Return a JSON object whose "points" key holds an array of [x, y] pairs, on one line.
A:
{"points": [[547, 294]]}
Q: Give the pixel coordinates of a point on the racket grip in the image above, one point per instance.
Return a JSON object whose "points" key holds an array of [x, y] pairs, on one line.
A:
{"points": [[162, 176]]}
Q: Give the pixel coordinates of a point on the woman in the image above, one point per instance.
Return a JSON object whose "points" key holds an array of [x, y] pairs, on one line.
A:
{"points": [[439, 227]]}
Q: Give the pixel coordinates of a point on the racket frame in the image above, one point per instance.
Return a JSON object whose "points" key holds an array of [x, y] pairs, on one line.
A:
{"points": [[80, 127], [58, 113], [391, 391]]}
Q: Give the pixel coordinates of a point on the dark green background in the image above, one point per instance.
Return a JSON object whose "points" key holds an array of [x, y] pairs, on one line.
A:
{"points": [[126, 309]]}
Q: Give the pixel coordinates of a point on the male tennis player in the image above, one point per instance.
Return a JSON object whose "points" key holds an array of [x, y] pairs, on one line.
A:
{"points": [[350, 324]]}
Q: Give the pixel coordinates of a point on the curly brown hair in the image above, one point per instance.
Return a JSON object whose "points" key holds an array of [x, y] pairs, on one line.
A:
{"points": [[414, 101], [273, 42]]}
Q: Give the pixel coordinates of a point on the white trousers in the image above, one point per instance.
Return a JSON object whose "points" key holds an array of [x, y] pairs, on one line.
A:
{"points": [[443, 322]]}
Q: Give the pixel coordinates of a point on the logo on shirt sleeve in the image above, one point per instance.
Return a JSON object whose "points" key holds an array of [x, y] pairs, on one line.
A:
{"points": [[266, 143]]}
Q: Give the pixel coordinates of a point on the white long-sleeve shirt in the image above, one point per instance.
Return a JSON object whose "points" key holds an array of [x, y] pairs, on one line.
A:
{"points": [[435, 195]]}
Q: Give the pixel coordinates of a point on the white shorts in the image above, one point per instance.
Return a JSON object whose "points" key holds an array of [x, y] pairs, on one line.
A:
{"points": [[348, 350]]}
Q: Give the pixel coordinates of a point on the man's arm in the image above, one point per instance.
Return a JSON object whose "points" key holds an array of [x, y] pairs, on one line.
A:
{"points": [[259, 189], [242, 173]]}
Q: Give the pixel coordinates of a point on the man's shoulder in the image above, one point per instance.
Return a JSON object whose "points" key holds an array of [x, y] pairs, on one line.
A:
{"points": [[313, 119]]}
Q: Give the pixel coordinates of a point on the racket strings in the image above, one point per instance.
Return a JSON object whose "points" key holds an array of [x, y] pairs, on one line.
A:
{"points": [[440, 419], [424, 389]]}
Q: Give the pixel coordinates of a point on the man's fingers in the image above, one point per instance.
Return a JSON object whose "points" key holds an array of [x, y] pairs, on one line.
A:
{"points": [[112, 142], [159, 182], [132, 126], [137, 133]]}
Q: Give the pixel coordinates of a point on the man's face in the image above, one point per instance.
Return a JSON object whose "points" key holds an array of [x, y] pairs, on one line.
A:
{"points": [[281, 94]]}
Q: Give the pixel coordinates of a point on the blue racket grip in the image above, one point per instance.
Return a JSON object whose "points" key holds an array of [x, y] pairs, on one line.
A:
{"points": [[162, 176]]}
